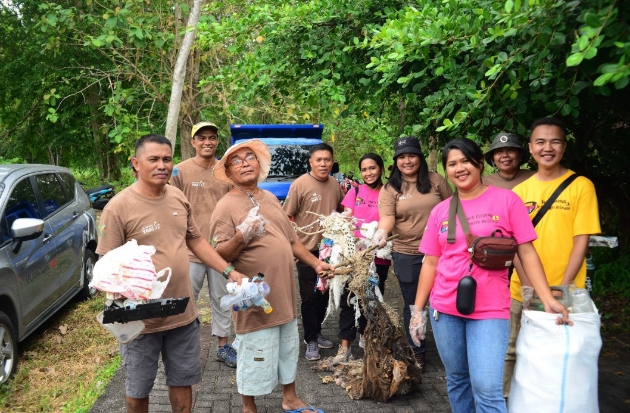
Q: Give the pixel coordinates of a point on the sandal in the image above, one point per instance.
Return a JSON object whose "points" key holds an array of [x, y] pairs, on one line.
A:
{"points": [[302, 409]]}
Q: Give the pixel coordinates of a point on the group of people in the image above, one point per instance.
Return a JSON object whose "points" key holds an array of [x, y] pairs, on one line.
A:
{"points": [[213, 221]]}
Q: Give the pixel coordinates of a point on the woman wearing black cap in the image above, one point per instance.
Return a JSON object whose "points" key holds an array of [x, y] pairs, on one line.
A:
{"points": [[507, 155], [404, 205]]}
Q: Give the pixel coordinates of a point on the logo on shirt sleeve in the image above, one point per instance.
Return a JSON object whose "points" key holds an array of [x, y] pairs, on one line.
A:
{"points": [[444, 226], [358, 201], [531, 206]]}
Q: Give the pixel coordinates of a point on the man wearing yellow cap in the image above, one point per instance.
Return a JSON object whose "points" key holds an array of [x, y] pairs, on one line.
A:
{"points": [[194, 178]]}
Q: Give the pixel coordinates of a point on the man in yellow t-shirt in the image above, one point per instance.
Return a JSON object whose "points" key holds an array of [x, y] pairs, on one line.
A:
{"points": [[564, 231]]}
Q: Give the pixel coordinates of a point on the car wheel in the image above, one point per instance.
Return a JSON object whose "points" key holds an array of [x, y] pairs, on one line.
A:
{"points": [[8, 348], [88, 272]]}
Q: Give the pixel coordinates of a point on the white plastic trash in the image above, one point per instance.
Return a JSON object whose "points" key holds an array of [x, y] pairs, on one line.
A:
{"points": [[124, 332]]}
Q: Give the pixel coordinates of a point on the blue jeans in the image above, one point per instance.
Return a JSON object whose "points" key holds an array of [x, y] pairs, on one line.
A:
{"points": [[473, 353]]}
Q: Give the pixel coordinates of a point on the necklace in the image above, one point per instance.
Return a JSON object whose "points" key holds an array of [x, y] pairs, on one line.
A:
{"points": [[508, 179], [251, 196], [319, 180]]}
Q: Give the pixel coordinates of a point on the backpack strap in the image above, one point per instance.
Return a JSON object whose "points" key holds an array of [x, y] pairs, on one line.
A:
{"points": [[541, 213], [356, 191], [455, 207]]}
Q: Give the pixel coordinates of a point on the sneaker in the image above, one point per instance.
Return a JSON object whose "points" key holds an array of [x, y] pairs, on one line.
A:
{"points": [[227, 354], [322, 342], [344, 354], [361, 341], [312, 351]]}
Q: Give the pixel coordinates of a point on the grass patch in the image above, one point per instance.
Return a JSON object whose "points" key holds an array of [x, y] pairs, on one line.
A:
{"points": [[65, 365]]}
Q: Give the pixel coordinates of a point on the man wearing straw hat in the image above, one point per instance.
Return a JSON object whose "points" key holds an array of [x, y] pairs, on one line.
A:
{"points": [[250, 229]]}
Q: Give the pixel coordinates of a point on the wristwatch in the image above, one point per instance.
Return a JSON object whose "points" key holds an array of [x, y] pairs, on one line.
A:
{"points": [[226, 272]]}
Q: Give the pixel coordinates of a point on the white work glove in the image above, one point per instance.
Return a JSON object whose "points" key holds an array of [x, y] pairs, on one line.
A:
{"points": [[418, 324], [380, 238], [253, 226]]}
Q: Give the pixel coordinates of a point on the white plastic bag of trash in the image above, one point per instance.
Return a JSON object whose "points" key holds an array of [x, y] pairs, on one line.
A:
{"points": [[129, 271]]}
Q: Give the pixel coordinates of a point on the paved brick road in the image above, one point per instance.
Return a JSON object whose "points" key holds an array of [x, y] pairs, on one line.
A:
{"points": [[217, 392]]}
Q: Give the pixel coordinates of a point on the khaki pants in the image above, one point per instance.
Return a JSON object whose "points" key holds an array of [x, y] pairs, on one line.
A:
{"points": [[516, 310]]}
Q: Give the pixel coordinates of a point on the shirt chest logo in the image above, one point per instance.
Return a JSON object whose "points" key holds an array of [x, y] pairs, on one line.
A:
{"points": [[150, 228], [200, 183], [316, 197]]}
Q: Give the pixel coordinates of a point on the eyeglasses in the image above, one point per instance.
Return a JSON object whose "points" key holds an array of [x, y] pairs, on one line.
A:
{"points": [[238, 162]]}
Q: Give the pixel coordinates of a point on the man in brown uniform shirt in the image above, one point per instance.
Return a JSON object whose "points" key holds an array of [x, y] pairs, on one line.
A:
{"points": [[157, 214], [317, 192], [252, 231], [194, 178]]}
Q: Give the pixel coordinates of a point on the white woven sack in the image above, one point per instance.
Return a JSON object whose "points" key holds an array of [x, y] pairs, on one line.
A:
{"points": [[556, 365]]}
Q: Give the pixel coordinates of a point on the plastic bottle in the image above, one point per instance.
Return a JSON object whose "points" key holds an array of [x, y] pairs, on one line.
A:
{"points": [[247, 295], [580, 300], [590, 272]]}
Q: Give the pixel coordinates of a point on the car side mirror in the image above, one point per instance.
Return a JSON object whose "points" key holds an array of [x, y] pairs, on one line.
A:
{"points": [[25, 229]]}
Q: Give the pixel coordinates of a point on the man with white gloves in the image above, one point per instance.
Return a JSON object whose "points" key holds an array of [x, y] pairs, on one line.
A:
{"points": [[250, 229]]}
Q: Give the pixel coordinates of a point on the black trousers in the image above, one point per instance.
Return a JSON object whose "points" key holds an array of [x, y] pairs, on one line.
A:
{"points": [[407, 269], [314, 303], [347, 327]]}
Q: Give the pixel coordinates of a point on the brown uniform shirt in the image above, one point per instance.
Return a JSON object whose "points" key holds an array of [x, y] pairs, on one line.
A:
{"points": [[307, 195], [496, 180], [203, 191], [270, 254], [411, 210], [165, 223]]}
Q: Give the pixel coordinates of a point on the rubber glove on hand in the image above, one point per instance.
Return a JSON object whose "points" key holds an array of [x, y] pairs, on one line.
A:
{"points": [[253, 226], [418, 324], [380, 238]]}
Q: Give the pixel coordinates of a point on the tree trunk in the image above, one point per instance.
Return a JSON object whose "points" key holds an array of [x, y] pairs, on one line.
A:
{"points": [[433, 154], [179, 73], [93, 102], [190, 113]]}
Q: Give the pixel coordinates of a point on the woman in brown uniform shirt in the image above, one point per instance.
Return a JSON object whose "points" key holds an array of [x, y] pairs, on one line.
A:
{"points": [[404, 205]]}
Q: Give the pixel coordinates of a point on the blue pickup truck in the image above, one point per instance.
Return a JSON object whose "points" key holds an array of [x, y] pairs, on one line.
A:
{"points": [[290, 150]]}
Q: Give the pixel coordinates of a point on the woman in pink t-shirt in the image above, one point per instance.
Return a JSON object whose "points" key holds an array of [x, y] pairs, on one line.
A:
{"points": [[362, 202], [473, 346]]}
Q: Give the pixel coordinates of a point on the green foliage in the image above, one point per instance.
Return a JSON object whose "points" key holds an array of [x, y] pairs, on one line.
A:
{"points": [[437, 70], [612, 272]]}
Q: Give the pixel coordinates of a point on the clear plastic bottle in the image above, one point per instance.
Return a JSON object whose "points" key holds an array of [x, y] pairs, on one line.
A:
{"points": [[580, 300], [246, 295]]}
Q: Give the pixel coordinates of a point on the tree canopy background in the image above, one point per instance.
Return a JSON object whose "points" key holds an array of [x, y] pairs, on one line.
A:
{"points": [[82, 80]]}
